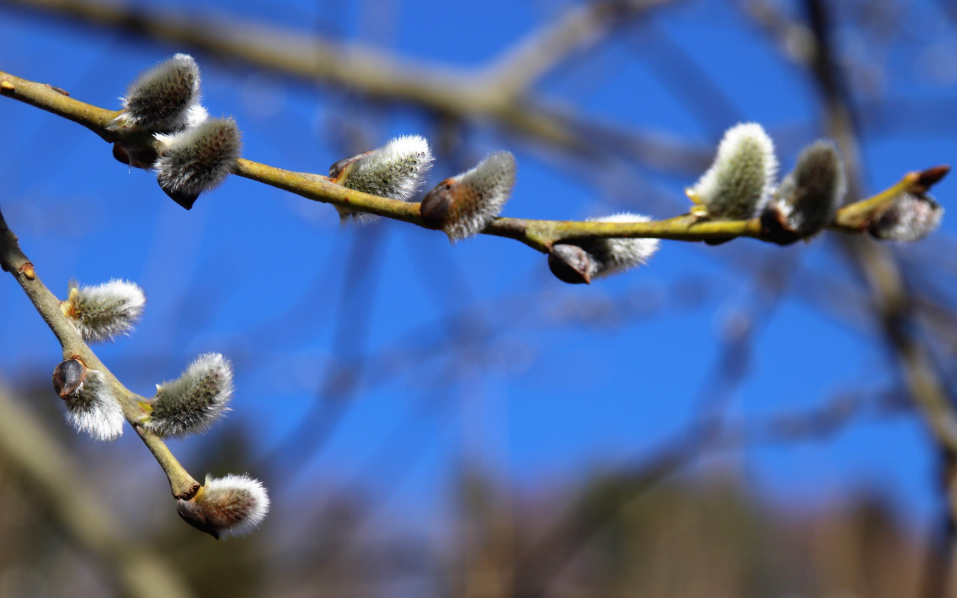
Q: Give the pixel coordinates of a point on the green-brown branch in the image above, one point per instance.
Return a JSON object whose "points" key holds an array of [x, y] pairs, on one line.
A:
{"points": [[13, 260], [538, 234]]}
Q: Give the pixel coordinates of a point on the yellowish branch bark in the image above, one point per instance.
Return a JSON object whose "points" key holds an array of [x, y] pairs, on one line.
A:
{"points": [[538, 234]]}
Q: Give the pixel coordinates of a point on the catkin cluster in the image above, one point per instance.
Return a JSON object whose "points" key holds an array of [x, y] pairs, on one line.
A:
{"points": [[95, 403], [192, 152]]}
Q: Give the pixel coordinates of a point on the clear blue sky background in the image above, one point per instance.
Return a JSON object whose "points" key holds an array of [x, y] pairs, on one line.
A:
{"points": [[257, 274]]}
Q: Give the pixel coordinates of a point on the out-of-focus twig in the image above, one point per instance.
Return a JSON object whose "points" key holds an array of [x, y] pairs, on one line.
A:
{"points": [[51, 473], [482, 95]]}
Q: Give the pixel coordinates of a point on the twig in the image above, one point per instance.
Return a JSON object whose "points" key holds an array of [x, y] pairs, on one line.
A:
{"points": [[13, 260], [49, 468], [537, 234], [577, 29]]}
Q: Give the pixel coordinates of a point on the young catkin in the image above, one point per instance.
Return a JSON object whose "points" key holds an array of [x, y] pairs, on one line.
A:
{"points": [[809, 196], [910, 218], [581, 261], [464, 204], [105, 311], [197, 159], [395, 170], [164, 99], [195, 400], [229, 506], [740, 182], [91, 406]]}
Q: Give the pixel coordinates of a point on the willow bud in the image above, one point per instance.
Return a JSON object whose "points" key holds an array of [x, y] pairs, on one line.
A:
{"points": [[164, 99], [90, 403], [910, 218], [577, 262], [197, 159], [810, 195], [395, 170], [195, 400], [463, 205], [231, 506], [740, 182], [105, 311]]}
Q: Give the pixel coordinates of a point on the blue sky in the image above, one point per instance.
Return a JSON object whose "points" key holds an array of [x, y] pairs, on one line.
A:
{"points": [[257, 274]]}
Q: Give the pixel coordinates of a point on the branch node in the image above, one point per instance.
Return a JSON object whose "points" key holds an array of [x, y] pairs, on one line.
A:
{"points": [[27, 271]]}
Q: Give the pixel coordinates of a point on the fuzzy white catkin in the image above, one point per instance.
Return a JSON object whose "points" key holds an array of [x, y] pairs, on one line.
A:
{"points": [[395, 170], [910, 218], [164, 99], [195, 400], [234, 505], [617, 255], [740, 182], [483, 193], [94, 409], [105, 311], [810, 195], [198, 158], [582, 261]]}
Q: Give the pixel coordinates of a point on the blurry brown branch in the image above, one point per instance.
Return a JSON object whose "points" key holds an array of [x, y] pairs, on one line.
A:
{"points": [[537, 234], [608, 496], [498, 94], [579, 28], [13, 260], [51, 472]]}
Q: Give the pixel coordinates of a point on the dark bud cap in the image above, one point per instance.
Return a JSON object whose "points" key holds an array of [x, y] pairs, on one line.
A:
{"points": [[195, 515], [185, 198], [435, 205], [571, 264], [337, 169], [68, 377], [930, 177], [135, 156], [120, 154], [775, 226]]}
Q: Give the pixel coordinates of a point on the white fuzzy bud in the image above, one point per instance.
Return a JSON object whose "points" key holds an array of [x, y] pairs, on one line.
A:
{"points": [[164, 99], [910, 218], [810, 195], [463, 205], [740, 182], [581, 261], [197, 159], [395, 170], [229, 506], [105, 311], [195, 400], [91, 405]]}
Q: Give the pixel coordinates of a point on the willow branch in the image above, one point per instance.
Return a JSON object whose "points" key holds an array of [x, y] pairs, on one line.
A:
{"points": [[538, 234], [13, 260], [51, 474], [465, 95]]}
